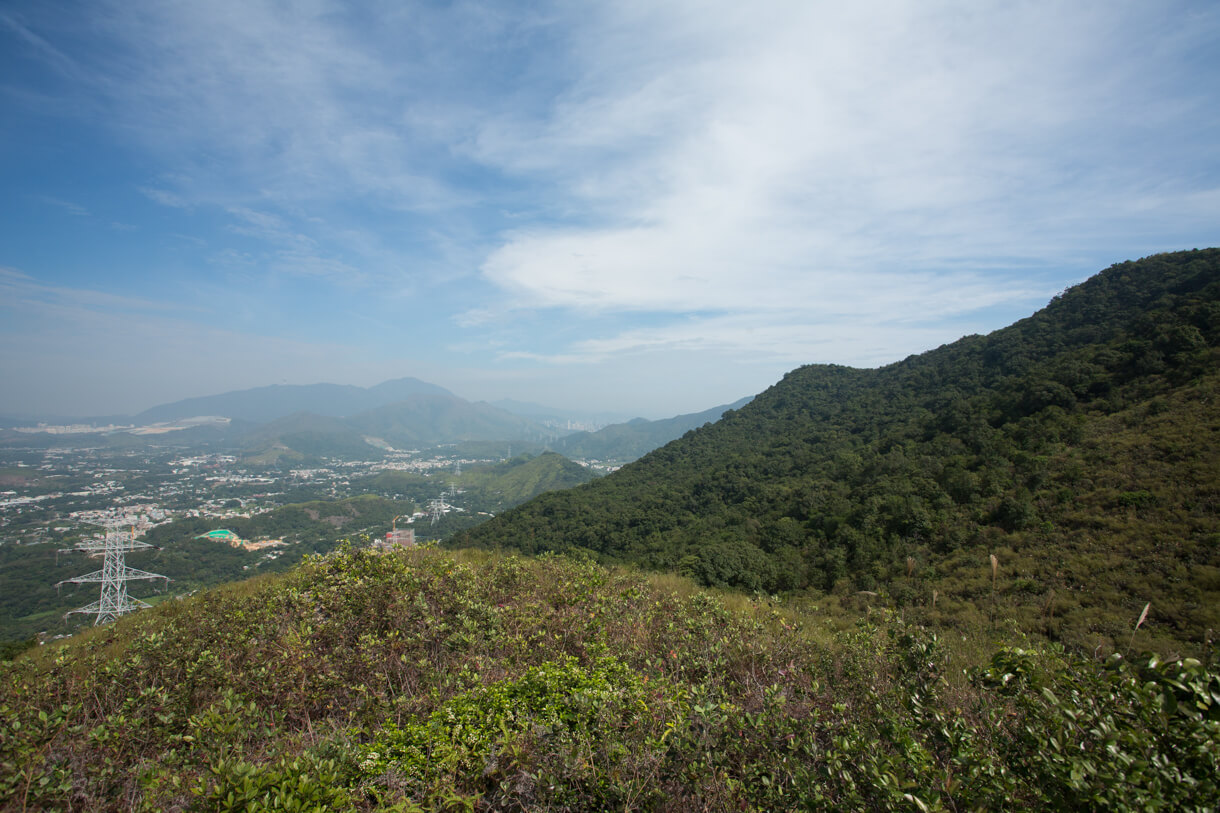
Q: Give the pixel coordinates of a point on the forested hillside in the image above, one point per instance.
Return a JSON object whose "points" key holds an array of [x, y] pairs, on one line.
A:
{"points": [[1080, 446]]}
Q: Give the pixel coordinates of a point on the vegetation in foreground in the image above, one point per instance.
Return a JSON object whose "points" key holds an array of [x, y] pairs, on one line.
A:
{"points": [[473, 681]]}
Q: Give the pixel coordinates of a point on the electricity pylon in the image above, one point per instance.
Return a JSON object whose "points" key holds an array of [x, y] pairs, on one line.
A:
{"points": [[436, 508], [113, 576]]}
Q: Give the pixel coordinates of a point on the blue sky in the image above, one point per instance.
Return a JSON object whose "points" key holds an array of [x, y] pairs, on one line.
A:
{"points": [[641, 207]]}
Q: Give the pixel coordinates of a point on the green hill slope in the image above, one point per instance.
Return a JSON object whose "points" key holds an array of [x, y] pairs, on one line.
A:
{"points": [[429, 681], [1079, 445], [631, 440], [483, 490], [515, 481]]}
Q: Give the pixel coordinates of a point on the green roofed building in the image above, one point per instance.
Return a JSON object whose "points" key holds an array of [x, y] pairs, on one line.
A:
{"points": [[222, 536]]}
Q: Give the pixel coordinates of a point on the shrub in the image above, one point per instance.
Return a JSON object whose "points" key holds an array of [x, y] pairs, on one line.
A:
{"points": [[560, 735], [298, 785]]}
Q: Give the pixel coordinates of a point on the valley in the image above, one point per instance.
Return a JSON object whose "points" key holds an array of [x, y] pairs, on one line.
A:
{"points": [[985, 577], [671, 407], [171, 497]]}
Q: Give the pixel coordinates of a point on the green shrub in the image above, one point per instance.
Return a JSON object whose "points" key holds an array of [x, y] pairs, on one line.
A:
{"points": [[562, 734], [1136, 499], [1116, 736], [299, 785]]}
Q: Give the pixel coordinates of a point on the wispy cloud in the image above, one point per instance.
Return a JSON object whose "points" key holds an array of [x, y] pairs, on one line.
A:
{"points": [[319, 116], [802, 162], [612, 193], [165, 197], [780, 343], [261, 102], [67, 206], [21, 293], [48, 53]]}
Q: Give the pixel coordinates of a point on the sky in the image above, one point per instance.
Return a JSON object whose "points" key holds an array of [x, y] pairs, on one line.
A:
{"points": [[647, 208]]}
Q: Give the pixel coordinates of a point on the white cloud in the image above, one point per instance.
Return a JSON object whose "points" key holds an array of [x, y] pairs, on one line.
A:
{"points": [[695, 182], [165, 198], [784, 342], [795, 161]]}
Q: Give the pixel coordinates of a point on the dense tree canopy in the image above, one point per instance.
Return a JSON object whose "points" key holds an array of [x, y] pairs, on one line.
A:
{"points": [[1083, 432]]}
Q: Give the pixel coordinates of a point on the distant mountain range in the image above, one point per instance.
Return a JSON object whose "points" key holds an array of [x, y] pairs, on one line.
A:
{"points": [[623, 442], [420, 420], [264, 404], [443, 419], [292, 423], [550, 415], [426, 420]]}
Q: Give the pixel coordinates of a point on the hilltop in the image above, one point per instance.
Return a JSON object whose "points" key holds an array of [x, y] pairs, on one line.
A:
{"points": [[1079, 446], [425, 680]]}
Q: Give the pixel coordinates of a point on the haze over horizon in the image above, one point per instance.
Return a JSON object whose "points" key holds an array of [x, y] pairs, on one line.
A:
{"points": [[644, 208]]}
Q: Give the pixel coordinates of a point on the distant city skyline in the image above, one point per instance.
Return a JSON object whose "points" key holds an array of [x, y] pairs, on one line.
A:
{"points": [[641, 208]]}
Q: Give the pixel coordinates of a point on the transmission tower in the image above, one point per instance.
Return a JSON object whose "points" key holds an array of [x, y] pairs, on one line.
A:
{"points": [[436, 507], [113, 576]]}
